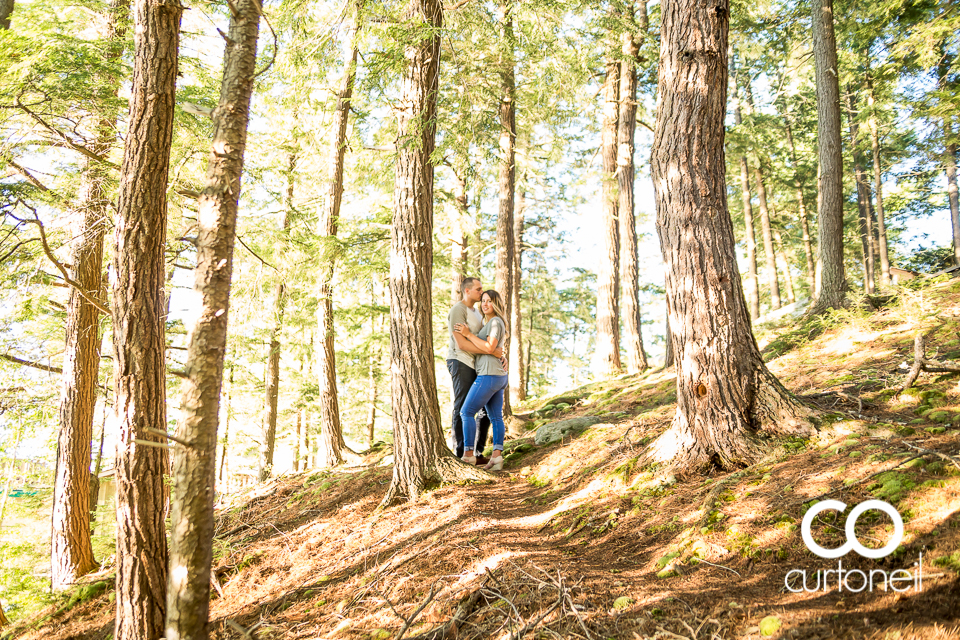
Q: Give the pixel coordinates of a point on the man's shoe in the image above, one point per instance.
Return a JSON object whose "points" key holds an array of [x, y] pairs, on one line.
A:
{"points": [[481, 460]]}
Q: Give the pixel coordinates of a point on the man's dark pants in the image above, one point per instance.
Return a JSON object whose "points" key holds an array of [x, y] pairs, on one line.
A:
{"points": [[463, 376]]}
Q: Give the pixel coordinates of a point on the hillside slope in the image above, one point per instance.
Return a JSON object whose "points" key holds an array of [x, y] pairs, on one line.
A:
{"points": [[580, 539]]}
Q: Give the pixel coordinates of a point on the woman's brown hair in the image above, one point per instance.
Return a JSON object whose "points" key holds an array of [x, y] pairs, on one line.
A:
{"points": [[497, 300]]}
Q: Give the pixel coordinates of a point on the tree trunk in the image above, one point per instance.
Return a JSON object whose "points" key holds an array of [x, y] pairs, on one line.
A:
{"points": [[272, 373], [194, 460], [227, 414], [508, 141], [372, 396], [830, 280], [138, 309], [950, 166], [516, 362], [864, 216], [668, 356], [787, 276], [878, 189], [6, 9], [71, 548], [766, 231], [330, 442], [629, 275], [728, 403], [608, 277], [421, 455], [459, 239], [751, 287], [801, 207]]}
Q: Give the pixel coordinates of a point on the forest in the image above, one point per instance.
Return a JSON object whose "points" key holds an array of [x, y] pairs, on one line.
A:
{"points": [[721, 239]]}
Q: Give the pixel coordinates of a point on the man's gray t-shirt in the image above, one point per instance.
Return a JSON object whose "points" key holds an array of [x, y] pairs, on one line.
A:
{"points": [[490, 365], [462, 314]]}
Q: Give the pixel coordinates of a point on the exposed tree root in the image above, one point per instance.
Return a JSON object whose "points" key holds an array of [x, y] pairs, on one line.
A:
{"points": [[922, 363], [445, 468], [730, 437]]}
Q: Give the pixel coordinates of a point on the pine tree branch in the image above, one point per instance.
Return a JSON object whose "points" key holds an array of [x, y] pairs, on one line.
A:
{"points": [[97, 304], [27, 363]]}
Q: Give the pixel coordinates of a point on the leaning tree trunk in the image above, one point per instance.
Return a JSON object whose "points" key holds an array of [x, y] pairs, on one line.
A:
{"points": [[517, 367], [71, 548], [728, 403], [831, 282], [330, 443], [950, 166], [508, 142], [864, 217], [227, 414], [421, 455], [629, 275], [272, 373], [138, 309], [194, 462], [885, 278], [752, 287], [801, 206], [608, 282]]}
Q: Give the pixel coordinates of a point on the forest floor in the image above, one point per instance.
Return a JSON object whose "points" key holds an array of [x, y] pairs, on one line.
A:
{"points": [[579, 540]]}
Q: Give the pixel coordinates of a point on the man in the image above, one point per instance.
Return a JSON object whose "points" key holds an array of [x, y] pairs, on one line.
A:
{"points": [[460, 363]]}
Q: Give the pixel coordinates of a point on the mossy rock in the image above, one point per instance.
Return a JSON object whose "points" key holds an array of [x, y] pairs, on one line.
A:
{"points": [[622, 603], [855, 454], [667, 559], [512, 456], [940, 416], [926, 411], [931, 393], [915, 464], [935, 431], [667, 573], [906, 431]]}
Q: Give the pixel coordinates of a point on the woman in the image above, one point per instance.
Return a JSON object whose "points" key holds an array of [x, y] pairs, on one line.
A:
{"points": [[487, 390]]}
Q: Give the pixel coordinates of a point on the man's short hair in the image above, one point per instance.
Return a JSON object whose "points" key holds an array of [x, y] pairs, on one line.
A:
{"points": [[467, 283]]}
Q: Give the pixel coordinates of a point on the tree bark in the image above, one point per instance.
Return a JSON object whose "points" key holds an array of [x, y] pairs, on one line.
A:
{"points": [[459, 240], [728, 403], [71, 548], [787, 276], [6, 10], [330, 443], [950, 166], [801, 207], [831, 282], [272, 373], [227, 414], [864, 216], [421, 455], [508, 142], [138, 310], [751, 287], [629, 275], [194, 461], [608, 277], [885, 278], [766, 232], [516, 362]]}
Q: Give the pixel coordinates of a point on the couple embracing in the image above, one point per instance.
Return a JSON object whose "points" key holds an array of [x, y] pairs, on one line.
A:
{"points": [[479, 372]]}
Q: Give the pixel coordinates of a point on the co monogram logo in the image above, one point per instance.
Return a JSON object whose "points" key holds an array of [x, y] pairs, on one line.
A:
{"points": [[852, 541]]}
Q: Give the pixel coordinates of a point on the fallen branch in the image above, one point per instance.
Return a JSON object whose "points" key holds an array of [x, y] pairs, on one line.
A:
{"points": [[931, 452], [922, 363]]}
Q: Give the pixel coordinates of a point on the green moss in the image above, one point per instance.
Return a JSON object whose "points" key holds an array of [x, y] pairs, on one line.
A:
{"points": [[936, 431], [951, 562], [891, 486], [622, 603], [770, 625]]}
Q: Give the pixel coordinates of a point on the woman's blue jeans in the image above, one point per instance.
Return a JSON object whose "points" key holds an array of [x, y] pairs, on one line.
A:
{"points": [[486, 392]]}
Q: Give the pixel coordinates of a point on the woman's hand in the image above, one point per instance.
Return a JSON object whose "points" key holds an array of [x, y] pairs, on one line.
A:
{"points": [[462, 329]]}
